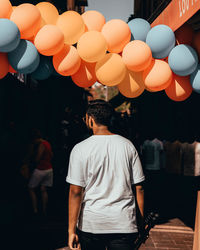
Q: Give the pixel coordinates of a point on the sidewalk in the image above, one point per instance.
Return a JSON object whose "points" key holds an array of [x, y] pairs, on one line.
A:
{"points": [[173, 235]]}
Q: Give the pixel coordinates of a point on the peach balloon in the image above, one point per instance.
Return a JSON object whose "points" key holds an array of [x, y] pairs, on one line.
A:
{"points": [[92, 46], [48, 12], [67, 61], [110, 70], [72, 25], [158, 75], [117, 34], [196, 43], [137, 55], [85, 76], [93, 20], [179, 89], [49, 40], [28, 19], [5, 9], [132, 85], [4, 65], [184, 35]]}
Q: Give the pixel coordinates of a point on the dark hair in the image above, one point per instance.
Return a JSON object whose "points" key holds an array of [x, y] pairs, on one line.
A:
{"points": [[101, 111]]}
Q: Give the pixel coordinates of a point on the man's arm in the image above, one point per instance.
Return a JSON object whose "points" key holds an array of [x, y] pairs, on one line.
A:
{"points": [[140, 198], [140, 202], [75, 199]]}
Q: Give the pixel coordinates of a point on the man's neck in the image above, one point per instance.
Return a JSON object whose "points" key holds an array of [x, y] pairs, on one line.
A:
{"points": [[101, 130]]}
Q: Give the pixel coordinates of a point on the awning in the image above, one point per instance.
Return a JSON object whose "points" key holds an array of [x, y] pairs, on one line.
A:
{"points": [[177, 13]]}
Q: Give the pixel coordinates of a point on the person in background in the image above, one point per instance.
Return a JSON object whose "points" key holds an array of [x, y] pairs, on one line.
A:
{"points": [[39, 161], [103, 171]]}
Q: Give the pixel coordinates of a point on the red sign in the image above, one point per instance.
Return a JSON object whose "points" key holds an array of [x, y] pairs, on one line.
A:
{"points": [[177, 13]]}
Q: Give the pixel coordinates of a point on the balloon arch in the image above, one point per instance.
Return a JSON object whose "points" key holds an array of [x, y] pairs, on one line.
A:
{"points": [[133, 56]]}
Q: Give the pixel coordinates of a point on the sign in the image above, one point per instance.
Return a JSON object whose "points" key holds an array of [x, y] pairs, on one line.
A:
{"points": [[177, 13]]}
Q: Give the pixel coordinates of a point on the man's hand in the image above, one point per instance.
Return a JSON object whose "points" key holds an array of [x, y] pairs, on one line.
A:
{"points": [[73, 242]]}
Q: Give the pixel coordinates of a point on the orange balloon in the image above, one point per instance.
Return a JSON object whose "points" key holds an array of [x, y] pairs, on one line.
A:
{"points": [[3, 65], [72, 26], [196, 43], [85, 76], [117, 34], [184, 35], [93, 20], [11, 70], [110, 70], [158, 75], [92, 46], [48, 12], [49, 40], [179, 89], [137, 55], [28, 19], [132, 85], [67, 61], [5, 9]]}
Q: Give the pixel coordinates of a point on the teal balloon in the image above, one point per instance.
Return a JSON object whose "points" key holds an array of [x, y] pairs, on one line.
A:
{"points": [[44, 69], [195, 79], [25, 58], [139, 29], [9, 35], [161, 40], [183, 60]]}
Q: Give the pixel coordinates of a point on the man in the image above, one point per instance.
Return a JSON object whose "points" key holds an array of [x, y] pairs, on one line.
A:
{"points": [[102, 170], [39, 158]]}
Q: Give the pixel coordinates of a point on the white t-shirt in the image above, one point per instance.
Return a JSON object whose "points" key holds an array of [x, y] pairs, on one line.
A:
{"points": [[106, 166]]}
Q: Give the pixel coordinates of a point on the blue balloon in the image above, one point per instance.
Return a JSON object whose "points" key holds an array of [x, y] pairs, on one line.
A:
{"points": [[9, 35], [161, 40], [25, 58], [195, 79], [183, 60], [139, 29], [44, 70]]}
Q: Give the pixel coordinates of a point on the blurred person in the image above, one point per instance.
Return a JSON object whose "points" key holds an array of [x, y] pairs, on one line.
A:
{"points": [[39, 162], [106, 180]]}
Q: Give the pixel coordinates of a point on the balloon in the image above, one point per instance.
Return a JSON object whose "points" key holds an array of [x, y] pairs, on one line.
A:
{"points": [[196, 43], [139, 29], [28, 19], [92, 46], [5, 9], [157, 76], [11, 70], [110, 70], [3, 65], [183, 60], [161, 40], [132, 85], [85, 76], [137, 55], [179, 89], [117, 35], [93, 20], [72, 26], [49, 40], [44, 69], [67, 61], [48, 12], [184, 35], [9, 35], [25, 58], [195, 79]]}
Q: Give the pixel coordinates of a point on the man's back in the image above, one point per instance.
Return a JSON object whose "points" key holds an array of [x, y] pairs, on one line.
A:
{"points": [[106, 166]]}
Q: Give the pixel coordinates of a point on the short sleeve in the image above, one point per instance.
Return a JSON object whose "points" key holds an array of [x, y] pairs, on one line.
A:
{"points": [[137, 171], [76, 174]]}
